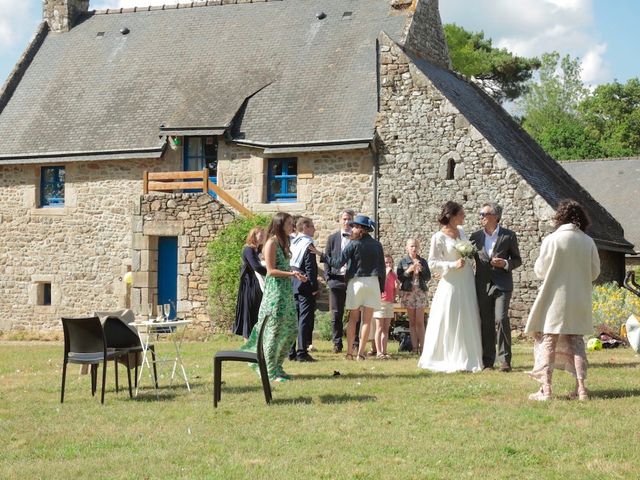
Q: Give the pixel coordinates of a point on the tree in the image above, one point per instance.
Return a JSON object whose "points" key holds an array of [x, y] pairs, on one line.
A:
{"points": [[550, 109], [570, 122], [499, 72], [612, 114]]}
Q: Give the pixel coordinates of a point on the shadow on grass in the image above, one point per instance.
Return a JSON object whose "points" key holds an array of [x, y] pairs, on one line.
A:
{"points": [[615, 393], [344, 398], [292, 401], [352, 375], [614, 365], [241, 389]]}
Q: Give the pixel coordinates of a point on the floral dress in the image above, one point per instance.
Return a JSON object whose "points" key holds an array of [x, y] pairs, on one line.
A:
{"points": [[279, 309]]}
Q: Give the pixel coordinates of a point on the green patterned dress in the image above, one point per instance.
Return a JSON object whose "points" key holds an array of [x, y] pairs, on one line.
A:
{"points": [[282, 329]]}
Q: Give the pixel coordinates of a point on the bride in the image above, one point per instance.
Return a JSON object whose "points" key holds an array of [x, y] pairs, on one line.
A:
{"points": [[452, 340]]}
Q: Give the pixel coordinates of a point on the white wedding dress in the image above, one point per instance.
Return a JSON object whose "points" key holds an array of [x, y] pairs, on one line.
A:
{"points": [[452, 341]]}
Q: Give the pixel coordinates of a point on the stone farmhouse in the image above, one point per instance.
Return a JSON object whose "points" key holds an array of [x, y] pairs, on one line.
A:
{"points": [[300, 105]]}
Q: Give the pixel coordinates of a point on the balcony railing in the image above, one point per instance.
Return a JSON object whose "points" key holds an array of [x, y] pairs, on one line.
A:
{"points": [[194, 181]]}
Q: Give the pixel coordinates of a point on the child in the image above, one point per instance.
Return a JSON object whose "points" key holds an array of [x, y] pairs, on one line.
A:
{"points": [[385, 314]]}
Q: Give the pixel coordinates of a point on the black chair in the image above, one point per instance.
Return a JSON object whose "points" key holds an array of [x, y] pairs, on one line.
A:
{"points": [[121, 338], [85, 343], [240, 356], [630, 283]]}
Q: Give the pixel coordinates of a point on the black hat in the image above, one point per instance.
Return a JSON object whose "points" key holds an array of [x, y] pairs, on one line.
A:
{"points": [[364, 222]]}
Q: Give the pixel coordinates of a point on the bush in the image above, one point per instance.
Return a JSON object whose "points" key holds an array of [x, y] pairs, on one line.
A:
{"points": [[225, 260], [322, 327], [612, 305]]}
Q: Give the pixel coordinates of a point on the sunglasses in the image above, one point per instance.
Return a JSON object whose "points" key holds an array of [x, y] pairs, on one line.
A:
{"points": [[485, 214]]}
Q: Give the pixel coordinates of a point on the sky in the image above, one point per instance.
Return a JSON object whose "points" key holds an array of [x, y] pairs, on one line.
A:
{"points": [[602, 33]]}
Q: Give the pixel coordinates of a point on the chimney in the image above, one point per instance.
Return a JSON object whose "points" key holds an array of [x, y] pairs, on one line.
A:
{"points": [[61, 14], [425, 35]]}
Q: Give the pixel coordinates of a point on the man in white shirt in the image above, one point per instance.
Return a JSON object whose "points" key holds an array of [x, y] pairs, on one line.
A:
{"points": [[336, 278], [497, 257]]}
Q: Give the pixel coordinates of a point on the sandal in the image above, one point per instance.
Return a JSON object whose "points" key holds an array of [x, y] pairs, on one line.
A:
{"points": [[380, 356], [360, 358], [581, 395], [348, 356], [540, 396]]}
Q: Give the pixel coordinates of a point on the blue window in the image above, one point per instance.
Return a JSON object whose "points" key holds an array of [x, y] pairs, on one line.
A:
{"points": [[282, 180], [52, 187]]}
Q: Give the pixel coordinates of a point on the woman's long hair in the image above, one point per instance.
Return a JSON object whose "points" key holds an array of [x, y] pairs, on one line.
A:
{"points": [[570, 211], [252, 238], [276, 229], [449, 210]]}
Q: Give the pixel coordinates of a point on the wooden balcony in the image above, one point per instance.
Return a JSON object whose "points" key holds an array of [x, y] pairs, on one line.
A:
{"points": [[195, 181]]}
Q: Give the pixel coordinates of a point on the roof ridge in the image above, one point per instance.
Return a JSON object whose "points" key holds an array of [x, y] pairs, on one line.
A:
{"points": [[604, 159], [176, 6]]}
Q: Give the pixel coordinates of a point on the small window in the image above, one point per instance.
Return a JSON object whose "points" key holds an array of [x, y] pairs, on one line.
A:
{"points": [[282, 182], [44, 293], [52, 187], [451, 166]]}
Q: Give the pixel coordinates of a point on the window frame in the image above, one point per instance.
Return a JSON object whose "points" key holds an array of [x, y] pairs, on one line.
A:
{"points": [[59, 185], [204, 160], [283, 195]]}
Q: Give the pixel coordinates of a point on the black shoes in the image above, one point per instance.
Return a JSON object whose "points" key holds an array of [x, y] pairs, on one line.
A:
{"points": [[505, 367], [337, 349], [306, 358]]}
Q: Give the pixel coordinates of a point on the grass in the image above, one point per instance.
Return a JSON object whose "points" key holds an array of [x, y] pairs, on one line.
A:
{"points": [[376, 420]]}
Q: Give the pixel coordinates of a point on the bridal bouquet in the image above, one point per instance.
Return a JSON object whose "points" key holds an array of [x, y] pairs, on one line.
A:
{"points": [[465, 248]]}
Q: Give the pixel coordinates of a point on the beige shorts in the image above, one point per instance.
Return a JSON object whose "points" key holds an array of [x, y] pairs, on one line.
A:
{"points": [[363, 292], [385, 311]]}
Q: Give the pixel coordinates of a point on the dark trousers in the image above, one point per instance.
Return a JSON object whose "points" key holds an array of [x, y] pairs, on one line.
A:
{"points": [[306, 307], [494, 310], [337, 297]]}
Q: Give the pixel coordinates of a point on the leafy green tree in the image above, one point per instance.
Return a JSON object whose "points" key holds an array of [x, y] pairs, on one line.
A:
{"points": [[499, 72], [570, 122], [612, 114], [550, 109], [225, 259]]}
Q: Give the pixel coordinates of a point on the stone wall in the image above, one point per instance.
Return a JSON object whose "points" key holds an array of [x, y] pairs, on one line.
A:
{"points": [[194, 218], [61, 14], [422, 134], [82, 249], [328, 182]]}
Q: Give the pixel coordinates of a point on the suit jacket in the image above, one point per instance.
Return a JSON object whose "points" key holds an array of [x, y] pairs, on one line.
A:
{"points": [[506, 247], [309, 267], [333, 249]]}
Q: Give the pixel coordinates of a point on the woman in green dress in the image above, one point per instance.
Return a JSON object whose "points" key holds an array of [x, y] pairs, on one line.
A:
{"points": [[277, 305]]}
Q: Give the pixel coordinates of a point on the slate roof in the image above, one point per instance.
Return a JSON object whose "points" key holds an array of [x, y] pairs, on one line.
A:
{"points": [[286, 77], [545, 175], [615, 184]]}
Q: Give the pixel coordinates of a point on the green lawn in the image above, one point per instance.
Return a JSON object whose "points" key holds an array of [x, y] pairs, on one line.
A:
{"points": [[377, 419]]}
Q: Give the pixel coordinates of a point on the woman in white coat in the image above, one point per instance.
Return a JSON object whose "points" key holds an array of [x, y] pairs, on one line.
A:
{"points": [[561, 314]]}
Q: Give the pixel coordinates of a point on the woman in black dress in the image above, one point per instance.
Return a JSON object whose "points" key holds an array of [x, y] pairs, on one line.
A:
{"points": [[250, 291]]}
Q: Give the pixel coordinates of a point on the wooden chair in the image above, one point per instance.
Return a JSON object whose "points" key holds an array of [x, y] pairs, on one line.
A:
{"points": [[85, 343], [242, 356]]}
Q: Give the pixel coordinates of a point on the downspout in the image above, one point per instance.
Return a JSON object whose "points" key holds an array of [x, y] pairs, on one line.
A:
{"points": [[375, 153]]}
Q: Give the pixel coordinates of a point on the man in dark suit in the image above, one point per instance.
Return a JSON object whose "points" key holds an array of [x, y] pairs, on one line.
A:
{"points": [[336, 277], [303, 261], [497, 257]]}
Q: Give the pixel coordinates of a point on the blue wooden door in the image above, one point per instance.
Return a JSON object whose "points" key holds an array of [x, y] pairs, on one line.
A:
{"points": [[168, 272]]}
